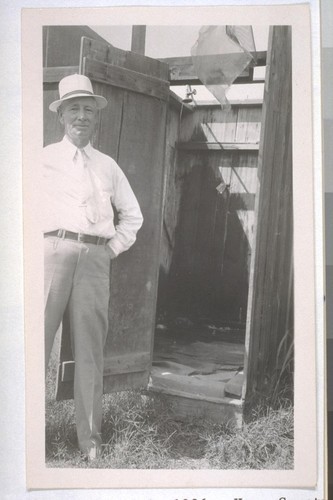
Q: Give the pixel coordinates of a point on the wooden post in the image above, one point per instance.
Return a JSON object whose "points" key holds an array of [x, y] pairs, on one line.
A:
{"points": [[138, 39], [270, 307]]}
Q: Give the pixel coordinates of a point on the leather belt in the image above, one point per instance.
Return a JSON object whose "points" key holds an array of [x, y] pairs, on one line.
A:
{"points": [[82, 238]]}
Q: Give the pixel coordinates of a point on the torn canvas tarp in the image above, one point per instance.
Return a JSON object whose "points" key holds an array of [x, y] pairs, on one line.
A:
{"points": [[220, 55]]}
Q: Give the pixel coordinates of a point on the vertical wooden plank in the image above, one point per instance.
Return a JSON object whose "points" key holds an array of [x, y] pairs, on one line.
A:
{"points": [[248, 125], [138, 39], [171, 200], [271, 304], [53, 130], [45, 45], [172, 187], [108, 131]]}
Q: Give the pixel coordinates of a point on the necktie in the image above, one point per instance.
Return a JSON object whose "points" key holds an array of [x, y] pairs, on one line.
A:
{"points": [[91, 197]]}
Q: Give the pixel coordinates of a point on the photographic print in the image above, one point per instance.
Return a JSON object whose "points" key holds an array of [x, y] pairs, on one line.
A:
{"points": [[169, 214], [179, 300]]}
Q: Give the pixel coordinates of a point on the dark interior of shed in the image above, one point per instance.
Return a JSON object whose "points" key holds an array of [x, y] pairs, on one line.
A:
{"points": [[202, 296]]}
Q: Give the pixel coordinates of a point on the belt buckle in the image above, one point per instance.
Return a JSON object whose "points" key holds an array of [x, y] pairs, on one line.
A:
{"points": [[61, 233], [80, 237]]}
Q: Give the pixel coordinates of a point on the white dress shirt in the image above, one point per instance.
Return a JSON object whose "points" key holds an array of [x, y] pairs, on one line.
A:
{"points": [[71, 185]]}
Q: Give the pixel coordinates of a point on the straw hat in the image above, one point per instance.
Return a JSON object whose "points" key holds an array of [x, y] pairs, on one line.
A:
{"points": [[76, 86]]}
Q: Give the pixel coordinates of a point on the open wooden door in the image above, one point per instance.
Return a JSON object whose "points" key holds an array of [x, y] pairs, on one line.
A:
{"points": [[270, 320], [132, 130]]}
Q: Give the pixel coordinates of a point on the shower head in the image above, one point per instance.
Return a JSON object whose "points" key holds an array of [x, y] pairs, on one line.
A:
{"points": [[189, 94]]}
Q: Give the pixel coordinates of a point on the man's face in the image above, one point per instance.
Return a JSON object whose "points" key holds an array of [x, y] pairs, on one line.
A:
{"points": [[79, 117]]}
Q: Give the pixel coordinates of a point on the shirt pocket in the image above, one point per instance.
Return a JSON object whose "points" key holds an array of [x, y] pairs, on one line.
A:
{"points": [[105, 207]]}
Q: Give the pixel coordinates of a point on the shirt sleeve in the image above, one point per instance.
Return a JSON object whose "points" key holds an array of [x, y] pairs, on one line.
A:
{"points": [[129, 215]]}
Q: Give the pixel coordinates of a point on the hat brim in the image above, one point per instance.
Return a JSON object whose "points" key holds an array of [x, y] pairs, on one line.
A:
{"points": [[100, 101]]}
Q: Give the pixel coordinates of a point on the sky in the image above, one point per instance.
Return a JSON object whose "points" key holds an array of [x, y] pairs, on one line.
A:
{"points": [[177, 41], [167, 41]]}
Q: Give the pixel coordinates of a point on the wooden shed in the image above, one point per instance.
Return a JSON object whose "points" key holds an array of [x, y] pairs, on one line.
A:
{"points": [[201, 306]]}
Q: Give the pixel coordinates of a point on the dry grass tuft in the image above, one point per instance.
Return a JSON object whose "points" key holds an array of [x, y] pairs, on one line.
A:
{"points": [[265, 443]]}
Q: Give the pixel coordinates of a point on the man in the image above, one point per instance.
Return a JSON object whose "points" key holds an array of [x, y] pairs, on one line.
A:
{"points": [[80, 239]]}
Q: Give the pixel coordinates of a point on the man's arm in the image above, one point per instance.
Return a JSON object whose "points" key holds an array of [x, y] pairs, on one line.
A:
{"points": [[129, 214]]}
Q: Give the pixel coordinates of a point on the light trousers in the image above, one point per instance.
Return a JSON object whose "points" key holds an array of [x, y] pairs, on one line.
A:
{"points": [[77, 278]]}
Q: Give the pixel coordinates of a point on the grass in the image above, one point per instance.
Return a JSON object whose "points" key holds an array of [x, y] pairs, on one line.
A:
{"points": [[265, 443], [140, 432]]}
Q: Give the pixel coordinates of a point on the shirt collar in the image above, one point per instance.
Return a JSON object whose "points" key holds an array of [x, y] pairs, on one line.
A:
{"points": [[88, 149], [72, 149]]}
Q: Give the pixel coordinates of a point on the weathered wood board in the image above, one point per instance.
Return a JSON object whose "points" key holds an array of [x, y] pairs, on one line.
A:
{"points": [[270, 316]]}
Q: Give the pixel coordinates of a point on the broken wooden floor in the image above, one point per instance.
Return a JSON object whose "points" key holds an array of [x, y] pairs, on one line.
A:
{"points": [[201, 363]]}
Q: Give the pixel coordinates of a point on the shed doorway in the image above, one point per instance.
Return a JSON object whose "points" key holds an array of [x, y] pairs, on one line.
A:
{"points": [[208, 217]]}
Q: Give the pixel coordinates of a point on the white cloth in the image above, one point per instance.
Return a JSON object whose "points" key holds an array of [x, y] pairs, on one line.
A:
{"points": [[66, 198]]}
